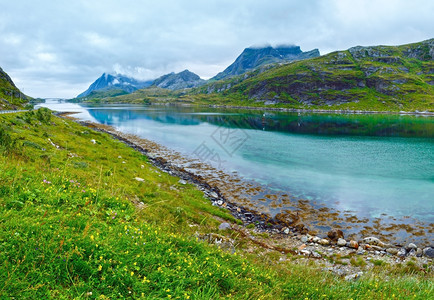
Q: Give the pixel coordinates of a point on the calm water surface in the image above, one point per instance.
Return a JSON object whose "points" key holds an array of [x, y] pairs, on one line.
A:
{"points": [[367, 164]]}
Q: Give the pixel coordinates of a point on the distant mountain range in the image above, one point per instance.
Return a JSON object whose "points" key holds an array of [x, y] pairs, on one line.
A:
{"points": [[115, 82], [10, 96], [252, 58], [366, 78]]}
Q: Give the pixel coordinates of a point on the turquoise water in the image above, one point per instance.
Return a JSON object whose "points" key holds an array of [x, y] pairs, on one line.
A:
{"points": [[367, 164]]}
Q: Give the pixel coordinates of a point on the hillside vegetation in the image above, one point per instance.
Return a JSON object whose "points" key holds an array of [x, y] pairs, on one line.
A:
{"points": [[10, 95], [84, 216]]}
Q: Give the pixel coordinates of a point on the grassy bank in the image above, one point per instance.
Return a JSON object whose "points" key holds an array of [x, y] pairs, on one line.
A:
{"points": [[84, 216]]}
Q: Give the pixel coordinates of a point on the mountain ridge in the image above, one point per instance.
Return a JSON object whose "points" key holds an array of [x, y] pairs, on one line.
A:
{"points": [[176, 81], [254, 57], [10, 96]]}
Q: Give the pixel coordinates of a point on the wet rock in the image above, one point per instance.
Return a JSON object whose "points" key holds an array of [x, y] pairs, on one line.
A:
{"points": [[373, 241], [353, 244], [402, 252], [392, 251], [324, 242], [224, 226], [412, 252], [428, 252], [341, 242], [354, 276], [411, 246], [335, 234]]}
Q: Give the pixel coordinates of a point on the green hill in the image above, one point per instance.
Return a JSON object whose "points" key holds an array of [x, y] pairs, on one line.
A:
{"points": [[367, 78], [10, 96]]}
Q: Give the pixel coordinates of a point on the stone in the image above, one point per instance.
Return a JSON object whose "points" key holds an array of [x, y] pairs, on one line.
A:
{"points": [[286, 230], [354, 276], [304, 239], [419, 252], [353, 244], [93, 141], [402, 252], [377, 248], [214, 195], [139, 179], [305, 252], [315, 254], [373, 241], [324, 242], [224, 226], [392, 251], [360, 252], [315, 239], [302, 247], [411, 246], [182, 181], [341, 242], [335, 234], [428, 252]]}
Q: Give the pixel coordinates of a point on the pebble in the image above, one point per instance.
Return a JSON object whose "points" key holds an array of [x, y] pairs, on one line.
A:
{"points": [[411, 246], [341, 242], [324, 242], [428, 252], [182, 181], [392, 251], [214, 195], [354, 276], [286, 230], [315, 254], [373, 241], [225, 226], [353, 244], [139, 179], [304, 239], [402, 252], [315, 239], [419, 252]]}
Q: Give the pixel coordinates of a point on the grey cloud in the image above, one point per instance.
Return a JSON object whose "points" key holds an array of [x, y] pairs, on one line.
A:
{"points": [[57, 48]]}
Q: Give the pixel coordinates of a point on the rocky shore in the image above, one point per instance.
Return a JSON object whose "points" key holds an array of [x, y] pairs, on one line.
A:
{"points": [[283, 237]]}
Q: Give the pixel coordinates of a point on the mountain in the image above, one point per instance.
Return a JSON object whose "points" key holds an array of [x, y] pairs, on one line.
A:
{"points": [[181, 80], [10, 96], [115, 82], [367, 78], [252, 58]]}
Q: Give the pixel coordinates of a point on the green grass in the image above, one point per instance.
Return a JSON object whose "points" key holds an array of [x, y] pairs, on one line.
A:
{"points": [[76, 224]]}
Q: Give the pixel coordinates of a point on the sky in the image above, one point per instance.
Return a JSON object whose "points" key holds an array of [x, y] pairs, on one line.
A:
{"points": [[57, 48]]}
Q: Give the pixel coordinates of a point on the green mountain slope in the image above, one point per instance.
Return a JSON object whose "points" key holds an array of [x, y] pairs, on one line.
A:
{"points": [[10, 96], [369, 78]]}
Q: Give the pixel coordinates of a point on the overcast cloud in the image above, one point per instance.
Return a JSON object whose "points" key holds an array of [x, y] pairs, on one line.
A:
{"points": [[58, 48]]}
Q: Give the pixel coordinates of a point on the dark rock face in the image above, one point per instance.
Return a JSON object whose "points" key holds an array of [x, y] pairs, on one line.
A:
{"points": [[182, 80], [252, 58], [112, 82]]}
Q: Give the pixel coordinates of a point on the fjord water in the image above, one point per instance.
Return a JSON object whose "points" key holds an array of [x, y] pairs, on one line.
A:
{"points": [[371, 165]]}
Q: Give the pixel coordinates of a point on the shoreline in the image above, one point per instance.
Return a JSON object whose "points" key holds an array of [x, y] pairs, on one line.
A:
{"points": [[278, 228], [284, 109]]}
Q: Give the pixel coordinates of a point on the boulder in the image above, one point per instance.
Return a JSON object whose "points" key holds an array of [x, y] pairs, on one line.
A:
{"points": [[224, 226], [392, 251], [324, 242], [411, 246], [373, 241]]}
